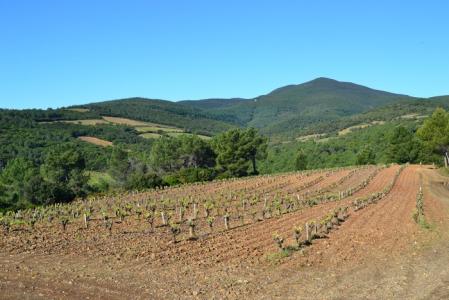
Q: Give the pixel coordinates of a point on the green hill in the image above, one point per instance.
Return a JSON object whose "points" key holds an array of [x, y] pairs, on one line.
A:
{"points": [[318, 106], [189, 118], [294, 107], [411, 108]]}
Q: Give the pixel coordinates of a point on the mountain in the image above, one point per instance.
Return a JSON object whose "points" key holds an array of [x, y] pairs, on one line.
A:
{"points": [[286, 111], [297, 106], [210, 104]]}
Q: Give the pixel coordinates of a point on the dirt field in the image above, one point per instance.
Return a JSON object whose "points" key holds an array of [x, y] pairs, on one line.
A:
{"points": [[79, 109], [95, 141], [378, 252]]}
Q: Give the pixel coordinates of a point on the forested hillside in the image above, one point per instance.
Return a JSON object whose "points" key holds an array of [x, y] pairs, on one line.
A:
{"points": [[318, 106], [287, 109], [403, 109], [163, 112]]}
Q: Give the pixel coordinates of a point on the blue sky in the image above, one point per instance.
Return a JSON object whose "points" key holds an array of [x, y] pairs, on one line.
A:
{"points": [[59, 53]]}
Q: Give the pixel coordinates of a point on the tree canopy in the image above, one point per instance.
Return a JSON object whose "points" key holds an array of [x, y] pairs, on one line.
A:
{"points": [[237, 150], [435, 131], [404, 146]]}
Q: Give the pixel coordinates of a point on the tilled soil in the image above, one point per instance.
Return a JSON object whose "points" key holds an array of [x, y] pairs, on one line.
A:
{"points": [[378, 253]]}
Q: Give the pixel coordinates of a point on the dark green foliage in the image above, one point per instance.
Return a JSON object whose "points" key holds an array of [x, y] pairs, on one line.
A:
{"points": [[169, 154], [63, 169], [13, 183], [131, 173], [119, 165], [60, 178], [391, 142], [237, 150], [60, 162], [388, 112], [300, 161], [288, 109], [196, 152], [435, 131], [404, 146], [22, 136], [141, 179], [162, 112], [165, 154], [189, 175], [366, 156]]}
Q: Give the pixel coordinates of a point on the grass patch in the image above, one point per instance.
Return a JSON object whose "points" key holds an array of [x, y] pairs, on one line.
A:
{"points": [[352, 128], [444, 171], [100, 180], [315, 137], [276, 257], [360, 126], [157, 128], [421, 221], [150, 135], [176, 134], [124, 121], [81, 110], [424, 224], [80, 122]]}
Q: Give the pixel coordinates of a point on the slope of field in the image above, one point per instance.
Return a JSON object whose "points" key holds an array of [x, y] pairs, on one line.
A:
{"points": [[95, 141], [82, 121], [378, 252], [81, 110]]}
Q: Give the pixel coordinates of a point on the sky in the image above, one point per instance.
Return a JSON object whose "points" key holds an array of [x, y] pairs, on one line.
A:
{"points": [[60, 53]]}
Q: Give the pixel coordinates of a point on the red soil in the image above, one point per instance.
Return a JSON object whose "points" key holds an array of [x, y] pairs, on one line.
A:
{"points": [[374, 245]]}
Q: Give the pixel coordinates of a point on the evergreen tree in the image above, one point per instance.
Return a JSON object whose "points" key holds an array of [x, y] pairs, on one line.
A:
{"points": [[165, 154], [237, 149], [366, 156], [119, 164], [435, 133], [300, 161], [63, 169], [403, 146]]}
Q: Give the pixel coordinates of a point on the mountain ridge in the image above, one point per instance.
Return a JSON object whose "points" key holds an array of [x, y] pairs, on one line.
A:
{"points": [[284, 110]]}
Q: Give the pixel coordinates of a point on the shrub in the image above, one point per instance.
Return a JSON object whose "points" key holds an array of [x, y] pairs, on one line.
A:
{"points": [[175, 229], [279, 240], [297, 234], [190, 175]]}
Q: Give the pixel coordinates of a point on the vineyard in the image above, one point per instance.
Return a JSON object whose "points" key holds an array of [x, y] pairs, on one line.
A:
{"points": [[171, 237]]}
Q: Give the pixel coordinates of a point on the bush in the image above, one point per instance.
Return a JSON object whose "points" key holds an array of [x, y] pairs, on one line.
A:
{"points": [[171, 179], [189, 175], [140, 181]]}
